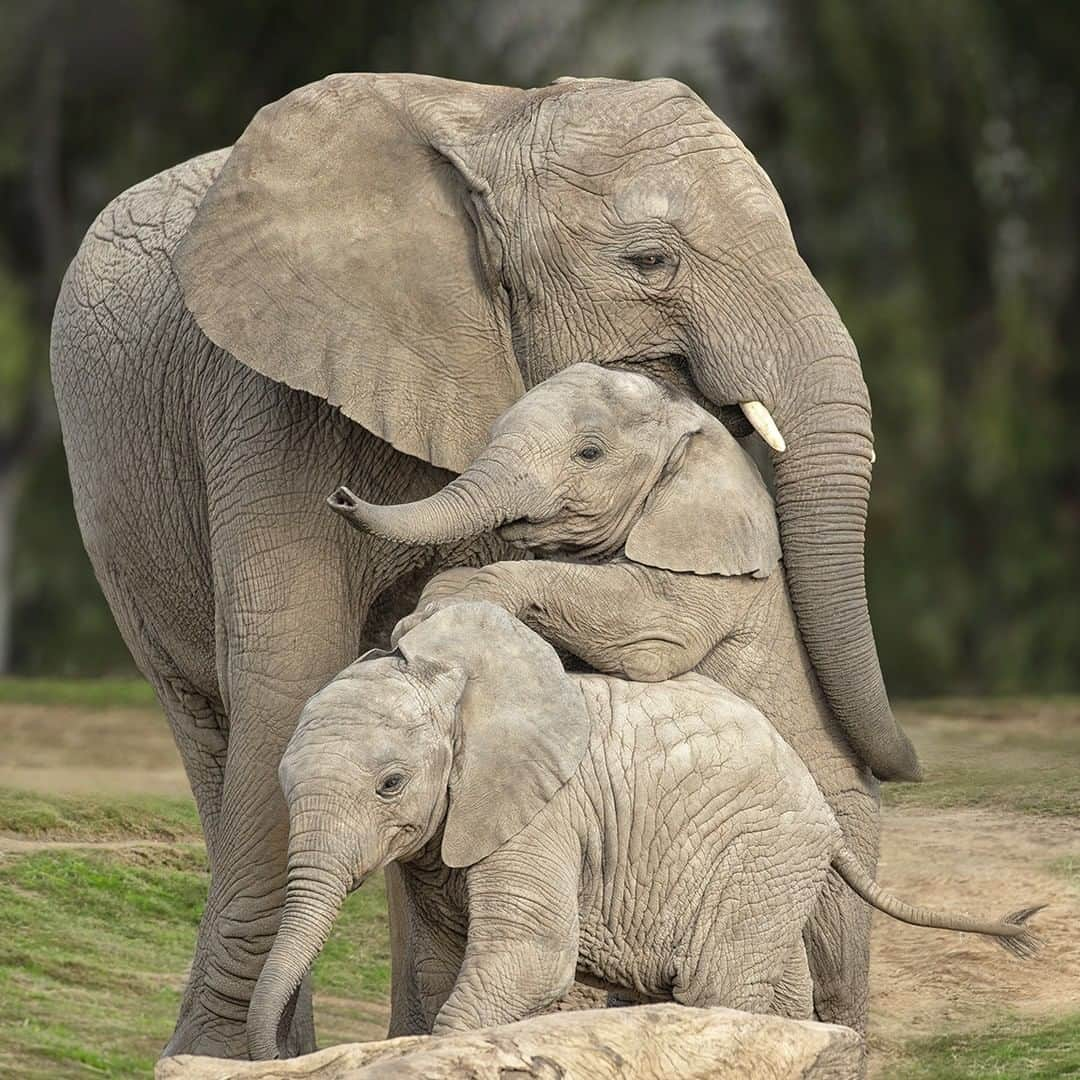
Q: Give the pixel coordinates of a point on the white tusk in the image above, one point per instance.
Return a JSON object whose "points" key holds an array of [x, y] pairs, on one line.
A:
{"points": [[873, 456], [763, 424]]}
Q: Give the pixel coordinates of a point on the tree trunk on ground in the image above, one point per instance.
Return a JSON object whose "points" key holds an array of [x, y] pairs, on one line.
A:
{"points": [[646, 1042]]}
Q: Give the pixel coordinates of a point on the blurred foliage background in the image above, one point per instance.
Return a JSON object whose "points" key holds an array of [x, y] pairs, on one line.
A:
{"points": [[928, 153]]}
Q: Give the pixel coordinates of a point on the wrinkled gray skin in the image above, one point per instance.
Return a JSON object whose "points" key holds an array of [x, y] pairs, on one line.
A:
{"points": [[416, 252], [685, 576], [659, 840]]}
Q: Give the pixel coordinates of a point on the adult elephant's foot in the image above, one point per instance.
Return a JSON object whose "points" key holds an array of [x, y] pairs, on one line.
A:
{"points": [[838, 933], [210, 1036], [236, 934], [201, 1030]]}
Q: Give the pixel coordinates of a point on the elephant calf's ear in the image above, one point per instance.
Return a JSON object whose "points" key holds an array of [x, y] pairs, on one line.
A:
{"points": [[710, 512], [523, 725]]}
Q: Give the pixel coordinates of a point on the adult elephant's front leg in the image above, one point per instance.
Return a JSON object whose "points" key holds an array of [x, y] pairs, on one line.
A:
{"points": [[290, 614]]}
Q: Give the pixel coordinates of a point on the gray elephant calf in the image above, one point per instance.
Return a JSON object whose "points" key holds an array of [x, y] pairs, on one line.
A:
{"points": [[676, 551], [658, 839]]}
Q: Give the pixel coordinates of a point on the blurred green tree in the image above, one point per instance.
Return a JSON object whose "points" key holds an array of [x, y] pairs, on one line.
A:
{"points": [[928, 154]]}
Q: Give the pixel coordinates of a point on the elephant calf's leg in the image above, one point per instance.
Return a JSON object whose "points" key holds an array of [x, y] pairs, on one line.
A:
{"points": [[523, 927], [500, 984], [749, 924], [794, 994], [427, 951]]}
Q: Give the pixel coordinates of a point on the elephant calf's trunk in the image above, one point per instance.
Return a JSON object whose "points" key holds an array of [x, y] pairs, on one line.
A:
{"points": [[463, 509], [312, 902]]}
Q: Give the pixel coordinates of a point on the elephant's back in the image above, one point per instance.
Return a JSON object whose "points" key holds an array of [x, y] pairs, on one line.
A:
{"points": [[120, 310], [129, 367], [683, 777], [697, 728]]}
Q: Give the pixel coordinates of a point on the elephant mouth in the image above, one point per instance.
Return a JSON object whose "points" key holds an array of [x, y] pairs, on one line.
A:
{"points": [[546, 537], [522, 532]]}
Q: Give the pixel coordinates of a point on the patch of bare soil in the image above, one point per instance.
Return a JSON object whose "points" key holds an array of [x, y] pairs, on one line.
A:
{"points": [[343, 1019], [929, 982], [63, 750], [16, 845]]}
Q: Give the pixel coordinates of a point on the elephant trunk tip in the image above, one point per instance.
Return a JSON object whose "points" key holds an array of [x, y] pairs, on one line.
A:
{"points": [[900, 763], [263, 1022], [880, 743], [261, 1048], [344, 502]]}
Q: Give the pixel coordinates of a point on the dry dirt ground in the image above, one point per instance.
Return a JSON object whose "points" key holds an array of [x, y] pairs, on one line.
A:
{"points": [[67, 750], [982, 858], [926, 982]]}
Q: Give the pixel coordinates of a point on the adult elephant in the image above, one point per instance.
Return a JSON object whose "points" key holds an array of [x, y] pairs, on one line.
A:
{"points": [[376, 269]]}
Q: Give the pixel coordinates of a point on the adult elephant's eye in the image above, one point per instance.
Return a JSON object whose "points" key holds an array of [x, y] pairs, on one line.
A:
{"points": [[590, 452], [390, 785], [648, 261]]}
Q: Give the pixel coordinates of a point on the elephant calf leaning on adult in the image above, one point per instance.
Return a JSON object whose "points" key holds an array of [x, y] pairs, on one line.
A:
{"points": [[656, 839], [678, 570], [416, 252]]}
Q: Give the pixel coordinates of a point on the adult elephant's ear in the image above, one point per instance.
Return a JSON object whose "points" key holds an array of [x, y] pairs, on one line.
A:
{"points": [[336, 253], [522, 724], [710, 512]]}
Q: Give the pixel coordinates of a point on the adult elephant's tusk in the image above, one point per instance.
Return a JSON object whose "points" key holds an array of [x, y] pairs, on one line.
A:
{"points": [[873, 457], [763, 424]]}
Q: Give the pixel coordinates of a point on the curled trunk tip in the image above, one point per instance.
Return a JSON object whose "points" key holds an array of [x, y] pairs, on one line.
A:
{"points": [[470, 505], [306, 923]]}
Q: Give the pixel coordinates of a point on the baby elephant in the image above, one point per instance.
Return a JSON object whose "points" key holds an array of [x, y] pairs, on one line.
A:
{"points": [[662, 557], [657, 839]]}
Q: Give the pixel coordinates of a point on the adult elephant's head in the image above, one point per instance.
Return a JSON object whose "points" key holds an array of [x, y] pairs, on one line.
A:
{"points": [[418, 252]]}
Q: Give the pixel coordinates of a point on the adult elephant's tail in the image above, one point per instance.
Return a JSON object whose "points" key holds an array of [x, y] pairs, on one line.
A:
{"points": [[1011, 932]]}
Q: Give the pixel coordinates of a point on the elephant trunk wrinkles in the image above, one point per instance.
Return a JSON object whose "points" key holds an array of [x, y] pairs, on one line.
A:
{"points": [[812, 384], [316, 889], [480, 499], [822, 496]]}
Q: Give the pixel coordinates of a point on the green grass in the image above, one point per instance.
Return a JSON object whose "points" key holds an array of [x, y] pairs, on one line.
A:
{"points": [[90, 693], [92, 952], [147, 817], [93, 947], [1020, 1050], [1052, 791]]}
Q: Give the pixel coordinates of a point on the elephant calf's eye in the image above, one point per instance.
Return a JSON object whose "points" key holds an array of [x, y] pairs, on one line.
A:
{"points": [[648, 261], [590, 453], [390, 785]]}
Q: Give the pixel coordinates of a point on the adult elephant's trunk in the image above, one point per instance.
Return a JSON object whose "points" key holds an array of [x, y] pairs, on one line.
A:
{"points": [[488, 494], [822, 495], [317, 886], [816, 395]]}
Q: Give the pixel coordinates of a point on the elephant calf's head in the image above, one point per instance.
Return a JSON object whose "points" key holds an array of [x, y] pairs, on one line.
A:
{"points": [[595, 461], [467, 731]]}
